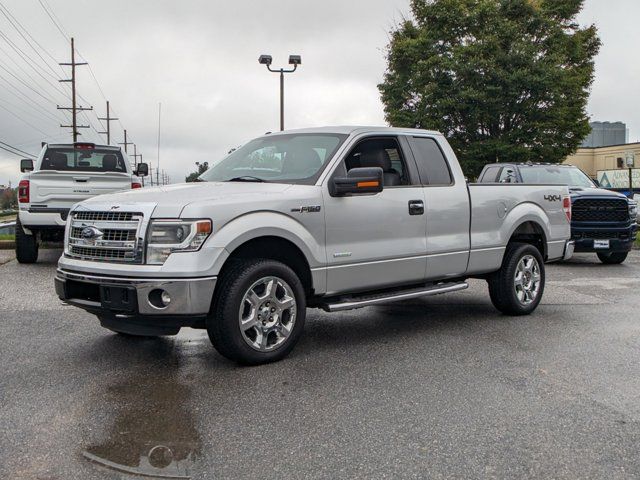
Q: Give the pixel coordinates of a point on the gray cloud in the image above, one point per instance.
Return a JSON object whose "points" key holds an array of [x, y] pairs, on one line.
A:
{"points": [[199, 58]]}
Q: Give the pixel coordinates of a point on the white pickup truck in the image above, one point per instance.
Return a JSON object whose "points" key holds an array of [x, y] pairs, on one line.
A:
{"points": [[335, 217], [65, 174]]}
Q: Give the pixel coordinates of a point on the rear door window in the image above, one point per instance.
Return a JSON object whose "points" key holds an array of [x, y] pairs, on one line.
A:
{"points": [[432, 164], [490, 175], [83, 160]]}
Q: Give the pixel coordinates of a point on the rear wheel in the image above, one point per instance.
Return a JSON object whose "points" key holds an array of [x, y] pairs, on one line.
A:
{"points": [[259, 314], [26, 245], [612, 258], [516, 289]]}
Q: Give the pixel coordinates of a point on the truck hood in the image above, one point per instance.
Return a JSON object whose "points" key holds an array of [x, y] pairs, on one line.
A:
{"points": [[171, 199], [594, 192]]}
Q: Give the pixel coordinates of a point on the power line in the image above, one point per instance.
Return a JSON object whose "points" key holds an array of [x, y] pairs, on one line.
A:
{"points": [[10, 151], [17, 149], [49, 82], [31, 102], [51, 16], [24, 121], [8, 16]]}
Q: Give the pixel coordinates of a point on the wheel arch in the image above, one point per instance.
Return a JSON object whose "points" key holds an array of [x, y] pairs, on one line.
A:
{"points": [[277, 248]]}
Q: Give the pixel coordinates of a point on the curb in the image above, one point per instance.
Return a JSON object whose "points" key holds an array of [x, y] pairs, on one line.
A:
{"points": [[7, 245]]}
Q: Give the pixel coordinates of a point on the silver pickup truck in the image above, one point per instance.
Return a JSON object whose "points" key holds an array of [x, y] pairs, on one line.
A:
{"points": [[336, 218]]}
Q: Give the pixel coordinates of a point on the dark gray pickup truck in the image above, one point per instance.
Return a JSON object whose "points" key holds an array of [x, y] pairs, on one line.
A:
{"points": [[602, 221]]}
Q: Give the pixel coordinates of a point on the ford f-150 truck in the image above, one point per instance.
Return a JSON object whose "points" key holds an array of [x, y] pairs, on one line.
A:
{"points": [[63, 175], [603, 221], [336, 218]]}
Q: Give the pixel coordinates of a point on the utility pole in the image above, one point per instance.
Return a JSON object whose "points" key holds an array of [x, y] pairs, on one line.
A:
{"points": [[135, 154], [125, 143], [74, 108], [109, 119]]}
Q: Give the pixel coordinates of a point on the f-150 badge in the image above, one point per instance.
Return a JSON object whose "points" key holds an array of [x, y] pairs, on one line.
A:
{"points": [[307, 209]]}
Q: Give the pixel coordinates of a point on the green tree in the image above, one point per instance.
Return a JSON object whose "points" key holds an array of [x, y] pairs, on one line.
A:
{"points": [[200, 169], [503, 80], [8, 199]]}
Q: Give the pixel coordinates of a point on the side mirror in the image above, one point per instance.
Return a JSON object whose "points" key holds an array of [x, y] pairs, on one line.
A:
{"points": [[142, 170], [26, 165], [359, 181]]}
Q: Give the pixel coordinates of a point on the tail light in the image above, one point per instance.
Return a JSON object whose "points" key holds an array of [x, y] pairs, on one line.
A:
{"points": [[136, 185], [23, 191], [566, 206]]}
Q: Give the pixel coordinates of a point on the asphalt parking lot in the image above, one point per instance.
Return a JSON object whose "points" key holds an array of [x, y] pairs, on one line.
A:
{"points": [[436, 388]]}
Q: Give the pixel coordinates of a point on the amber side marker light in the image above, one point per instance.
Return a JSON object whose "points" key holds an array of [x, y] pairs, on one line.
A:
{"points": [[204, 227], [367, 184]]}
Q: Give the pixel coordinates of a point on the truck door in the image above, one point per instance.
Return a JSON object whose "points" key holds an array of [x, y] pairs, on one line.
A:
{"points": [[447, 209], [376, 240]]}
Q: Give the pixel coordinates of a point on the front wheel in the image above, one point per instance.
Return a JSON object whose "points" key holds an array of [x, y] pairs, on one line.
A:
{"points": [[516, 289], [612, 258], [259, 314]]}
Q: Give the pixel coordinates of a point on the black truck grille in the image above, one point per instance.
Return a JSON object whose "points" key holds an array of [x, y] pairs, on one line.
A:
{"points": [[600, 210]]}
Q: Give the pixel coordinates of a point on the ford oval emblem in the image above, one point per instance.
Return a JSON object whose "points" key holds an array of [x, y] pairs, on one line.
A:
{"points": [[91, 233]]}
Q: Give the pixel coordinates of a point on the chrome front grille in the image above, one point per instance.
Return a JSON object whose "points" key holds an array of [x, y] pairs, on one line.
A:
{"points": [[105, 216], [106, 236]]}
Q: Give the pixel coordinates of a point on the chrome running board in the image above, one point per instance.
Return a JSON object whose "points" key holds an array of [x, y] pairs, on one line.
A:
{"points": [[349, 303]]}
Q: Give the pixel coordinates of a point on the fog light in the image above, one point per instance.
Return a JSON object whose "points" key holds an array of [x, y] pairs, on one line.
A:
{"points": [[159, 298], [165, 297]]}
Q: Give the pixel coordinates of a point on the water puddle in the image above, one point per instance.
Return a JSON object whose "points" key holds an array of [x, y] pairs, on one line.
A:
{"points": [[150, 432]]}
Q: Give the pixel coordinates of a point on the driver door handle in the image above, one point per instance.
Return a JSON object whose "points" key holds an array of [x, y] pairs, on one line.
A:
{"points": [[416, 207]]}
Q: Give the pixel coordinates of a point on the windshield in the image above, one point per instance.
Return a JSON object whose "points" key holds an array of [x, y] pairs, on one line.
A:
{"points": [[293, 158], [83, 160], [571, 176]]}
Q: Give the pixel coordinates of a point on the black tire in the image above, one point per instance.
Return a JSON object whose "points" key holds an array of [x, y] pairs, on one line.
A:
{"points": [[612, 258], [223, 324], [26, 245], [502, 289]]}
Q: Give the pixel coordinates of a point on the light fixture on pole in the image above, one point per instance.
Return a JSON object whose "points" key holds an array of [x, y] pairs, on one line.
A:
{"points": [[294, 60]]}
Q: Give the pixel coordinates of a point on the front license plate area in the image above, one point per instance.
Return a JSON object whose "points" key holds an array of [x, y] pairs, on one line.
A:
{"points": [[601, 244], [120, 299]]}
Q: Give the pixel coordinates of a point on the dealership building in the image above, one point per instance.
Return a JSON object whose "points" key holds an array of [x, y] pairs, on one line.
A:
{"points": [[603, 155]]}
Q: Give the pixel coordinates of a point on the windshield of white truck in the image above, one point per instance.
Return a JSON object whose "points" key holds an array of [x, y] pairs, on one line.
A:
{"points": [[571, 176], [83, 160], [287, 158]]}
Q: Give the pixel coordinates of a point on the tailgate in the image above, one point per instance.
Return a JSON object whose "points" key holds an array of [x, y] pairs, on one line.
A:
{"points": [[58, 189]]}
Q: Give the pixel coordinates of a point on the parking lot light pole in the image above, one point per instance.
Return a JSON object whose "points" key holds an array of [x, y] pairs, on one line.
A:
{"points": [[294, 60]]}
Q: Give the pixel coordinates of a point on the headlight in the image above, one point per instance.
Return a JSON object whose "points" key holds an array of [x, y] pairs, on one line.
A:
{"points": [[633, 210], [171, 236]]}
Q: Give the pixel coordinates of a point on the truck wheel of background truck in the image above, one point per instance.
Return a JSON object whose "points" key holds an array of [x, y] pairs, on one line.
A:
{"points": [[516, 289], [612, 258], [26, 245], [258, 313]]}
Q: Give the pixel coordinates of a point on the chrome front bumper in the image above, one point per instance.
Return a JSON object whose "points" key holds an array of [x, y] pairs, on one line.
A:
{"points": [[189, 296], [568, 249]]}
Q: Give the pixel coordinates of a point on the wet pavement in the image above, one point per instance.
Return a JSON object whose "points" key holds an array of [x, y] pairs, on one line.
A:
{"points": [[439, 388]]}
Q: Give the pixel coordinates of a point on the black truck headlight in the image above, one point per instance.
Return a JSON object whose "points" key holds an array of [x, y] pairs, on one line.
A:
{"points": [[171, 236], [633, 210]]}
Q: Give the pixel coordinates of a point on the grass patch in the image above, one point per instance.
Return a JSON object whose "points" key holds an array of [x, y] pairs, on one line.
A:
{"points": [[8, 214], [6, 236]]}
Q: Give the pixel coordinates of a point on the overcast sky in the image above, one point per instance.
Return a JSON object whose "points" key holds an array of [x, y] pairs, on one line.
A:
{"points": [[199, 58]]}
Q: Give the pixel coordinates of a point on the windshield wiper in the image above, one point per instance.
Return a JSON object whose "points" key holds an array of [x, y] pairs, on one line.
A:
{"points": [[246, 178]]}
